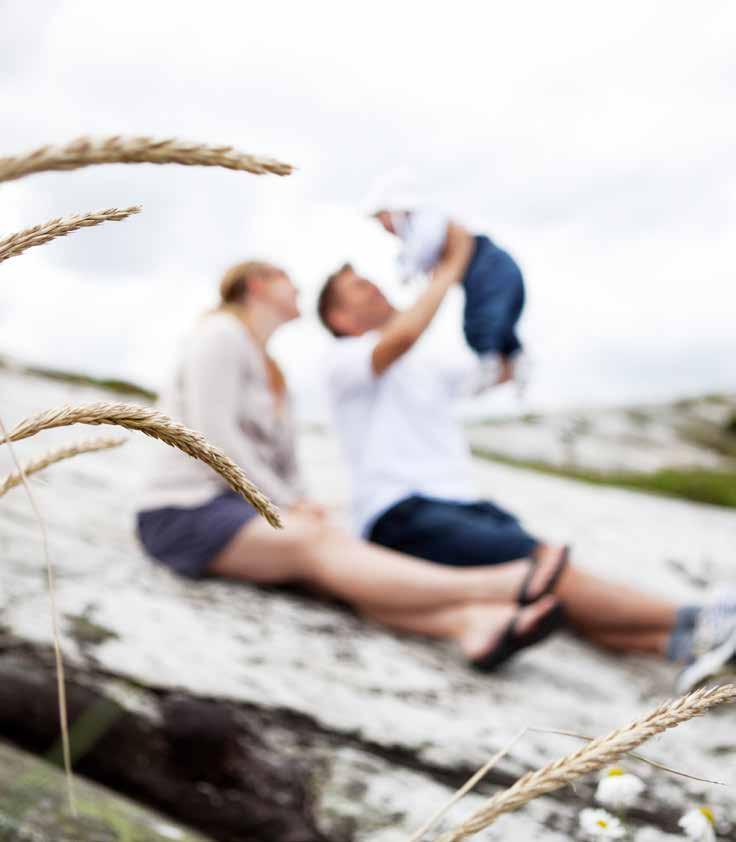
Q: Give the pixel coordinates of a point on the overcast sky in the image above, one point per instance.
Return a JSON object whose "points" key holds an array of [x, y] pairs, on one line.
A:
{"points": [[594, 141]]}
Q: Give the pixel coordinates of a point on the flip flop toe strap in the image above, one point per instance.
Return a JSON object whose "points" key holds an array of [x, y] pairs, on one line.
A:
{"points": [[524, 596], [511, 642]]}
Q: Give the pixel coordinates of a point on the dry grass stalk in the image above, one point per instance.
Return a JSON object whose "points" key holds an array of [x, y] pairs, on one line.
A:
{"points": [[86, 151], [633, 755], [158, 426], [57, 455], [591, 757], [60, 683], [466, 787], [15, 244]]}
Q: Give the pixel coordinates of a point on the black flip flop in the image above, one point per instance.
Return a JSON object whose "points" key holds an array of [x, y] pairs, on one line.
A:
{"points": [[524, 597], [511, 642]]}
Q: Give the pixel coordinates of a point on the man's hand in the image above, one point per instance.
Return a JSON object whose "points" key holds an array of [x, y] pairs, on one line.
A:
{"points": [[406, 327]]}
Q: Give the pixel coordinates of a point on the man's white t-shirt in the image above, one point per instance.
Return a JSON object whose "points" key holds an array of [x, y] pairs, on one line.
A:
{"points": [[399, 432]]}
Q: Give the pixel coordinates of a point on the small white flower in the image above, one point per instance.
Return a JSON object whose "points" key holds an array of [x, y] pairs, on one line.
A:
{"points": [[699, 825], [600, 824], [618, 790]]}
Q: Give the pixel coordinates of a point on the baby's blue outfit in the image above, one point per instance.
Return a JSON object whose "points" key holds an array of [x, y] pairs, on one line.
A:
{"points": [[494, 285], [494, 299]]}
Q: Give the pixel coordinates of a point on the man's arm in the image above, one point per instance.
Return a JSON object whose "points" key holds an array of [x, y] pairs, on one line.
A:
{"points": [[406, 327]]}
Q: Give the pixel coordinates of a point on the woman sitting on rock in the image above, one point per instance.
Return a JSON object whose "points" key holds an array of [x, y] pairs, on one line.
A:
{"points": [[230, 389]]}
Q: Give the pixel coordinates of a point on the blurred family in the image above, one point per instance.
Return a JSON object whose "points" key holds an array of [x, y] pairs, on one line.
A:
{"points": [[428, 556]]}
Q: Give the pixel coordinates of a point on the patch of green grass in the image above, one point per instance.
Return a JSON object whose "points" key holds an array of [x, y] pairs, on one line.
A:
{"points": [[122, 387], [702, 485], [110, 384], [501, 420]]}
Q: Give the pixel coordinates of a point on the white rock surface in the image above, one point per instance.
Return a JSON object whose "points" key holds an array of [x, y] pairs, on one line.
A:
{"points": [[641, 439], [376, 693]]}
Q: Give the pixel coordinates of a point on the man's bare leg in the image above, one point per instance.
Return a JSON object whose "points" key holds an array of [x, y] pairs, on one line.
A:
{"points": [[594, 603], [642, 642]]}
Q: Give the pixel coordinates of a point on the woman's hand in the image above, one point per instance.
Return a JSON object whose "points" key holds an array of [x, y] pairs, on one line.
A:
{"points": [[309, 507]]}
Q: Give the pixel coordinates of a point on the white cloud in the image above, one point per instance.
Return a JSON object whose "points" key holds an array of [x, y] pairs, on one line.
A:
{"points": [[594, 142]]}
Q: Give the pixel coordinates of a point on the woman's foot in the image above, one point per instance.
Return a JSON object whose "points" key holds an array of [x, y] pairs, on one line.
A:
{"points": [[490, 628]]}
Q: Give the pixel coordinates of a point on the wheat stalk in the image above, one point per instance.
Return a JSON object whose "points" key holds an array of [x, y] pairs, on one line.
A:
{"points": [[17, 243], [595, 755], [86, 151], [58, 659], [466, 787], [56, 455], [158, 426]]}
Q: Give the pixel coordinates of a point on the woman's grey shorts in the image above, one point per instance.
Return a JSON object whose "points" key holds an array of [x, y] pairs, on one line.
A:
{"points": [[188, 539]]}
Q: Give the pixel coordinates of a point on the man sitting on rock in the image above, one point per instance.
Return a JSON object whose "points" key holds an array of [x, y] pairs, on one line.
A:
{"points": [[412, 487]]}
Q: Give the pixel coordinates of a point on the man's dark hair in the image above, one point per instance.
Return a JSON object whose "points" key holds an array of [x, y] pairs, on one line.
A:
{"points": [[328, 298]]}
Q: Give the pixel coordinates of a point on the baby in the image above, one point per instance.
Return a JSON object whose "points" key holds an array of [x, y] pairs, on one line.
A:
{"points": [[494, 287]]}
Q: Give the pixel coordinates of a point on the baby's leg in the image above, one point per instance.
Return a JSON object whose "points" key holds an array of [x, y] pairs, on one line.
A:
{"points": [[512, 344], [494, 299]]}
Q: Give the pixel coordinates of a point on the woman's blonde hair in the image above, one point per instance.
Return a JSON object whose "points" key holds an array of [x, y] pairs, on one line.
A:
{"points": [[234, 283], [234, 291]]}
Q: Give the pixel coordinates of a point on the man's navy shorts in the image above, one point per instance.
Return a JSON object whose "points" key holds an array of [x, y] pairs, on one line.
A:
{"points": [[449, 532]]}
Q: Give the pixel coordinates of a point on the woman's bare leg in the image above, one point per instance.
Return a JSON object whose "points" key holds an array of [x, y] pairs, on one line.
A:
{"points": [[313, 551], [316, 552], [475, 627]]}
